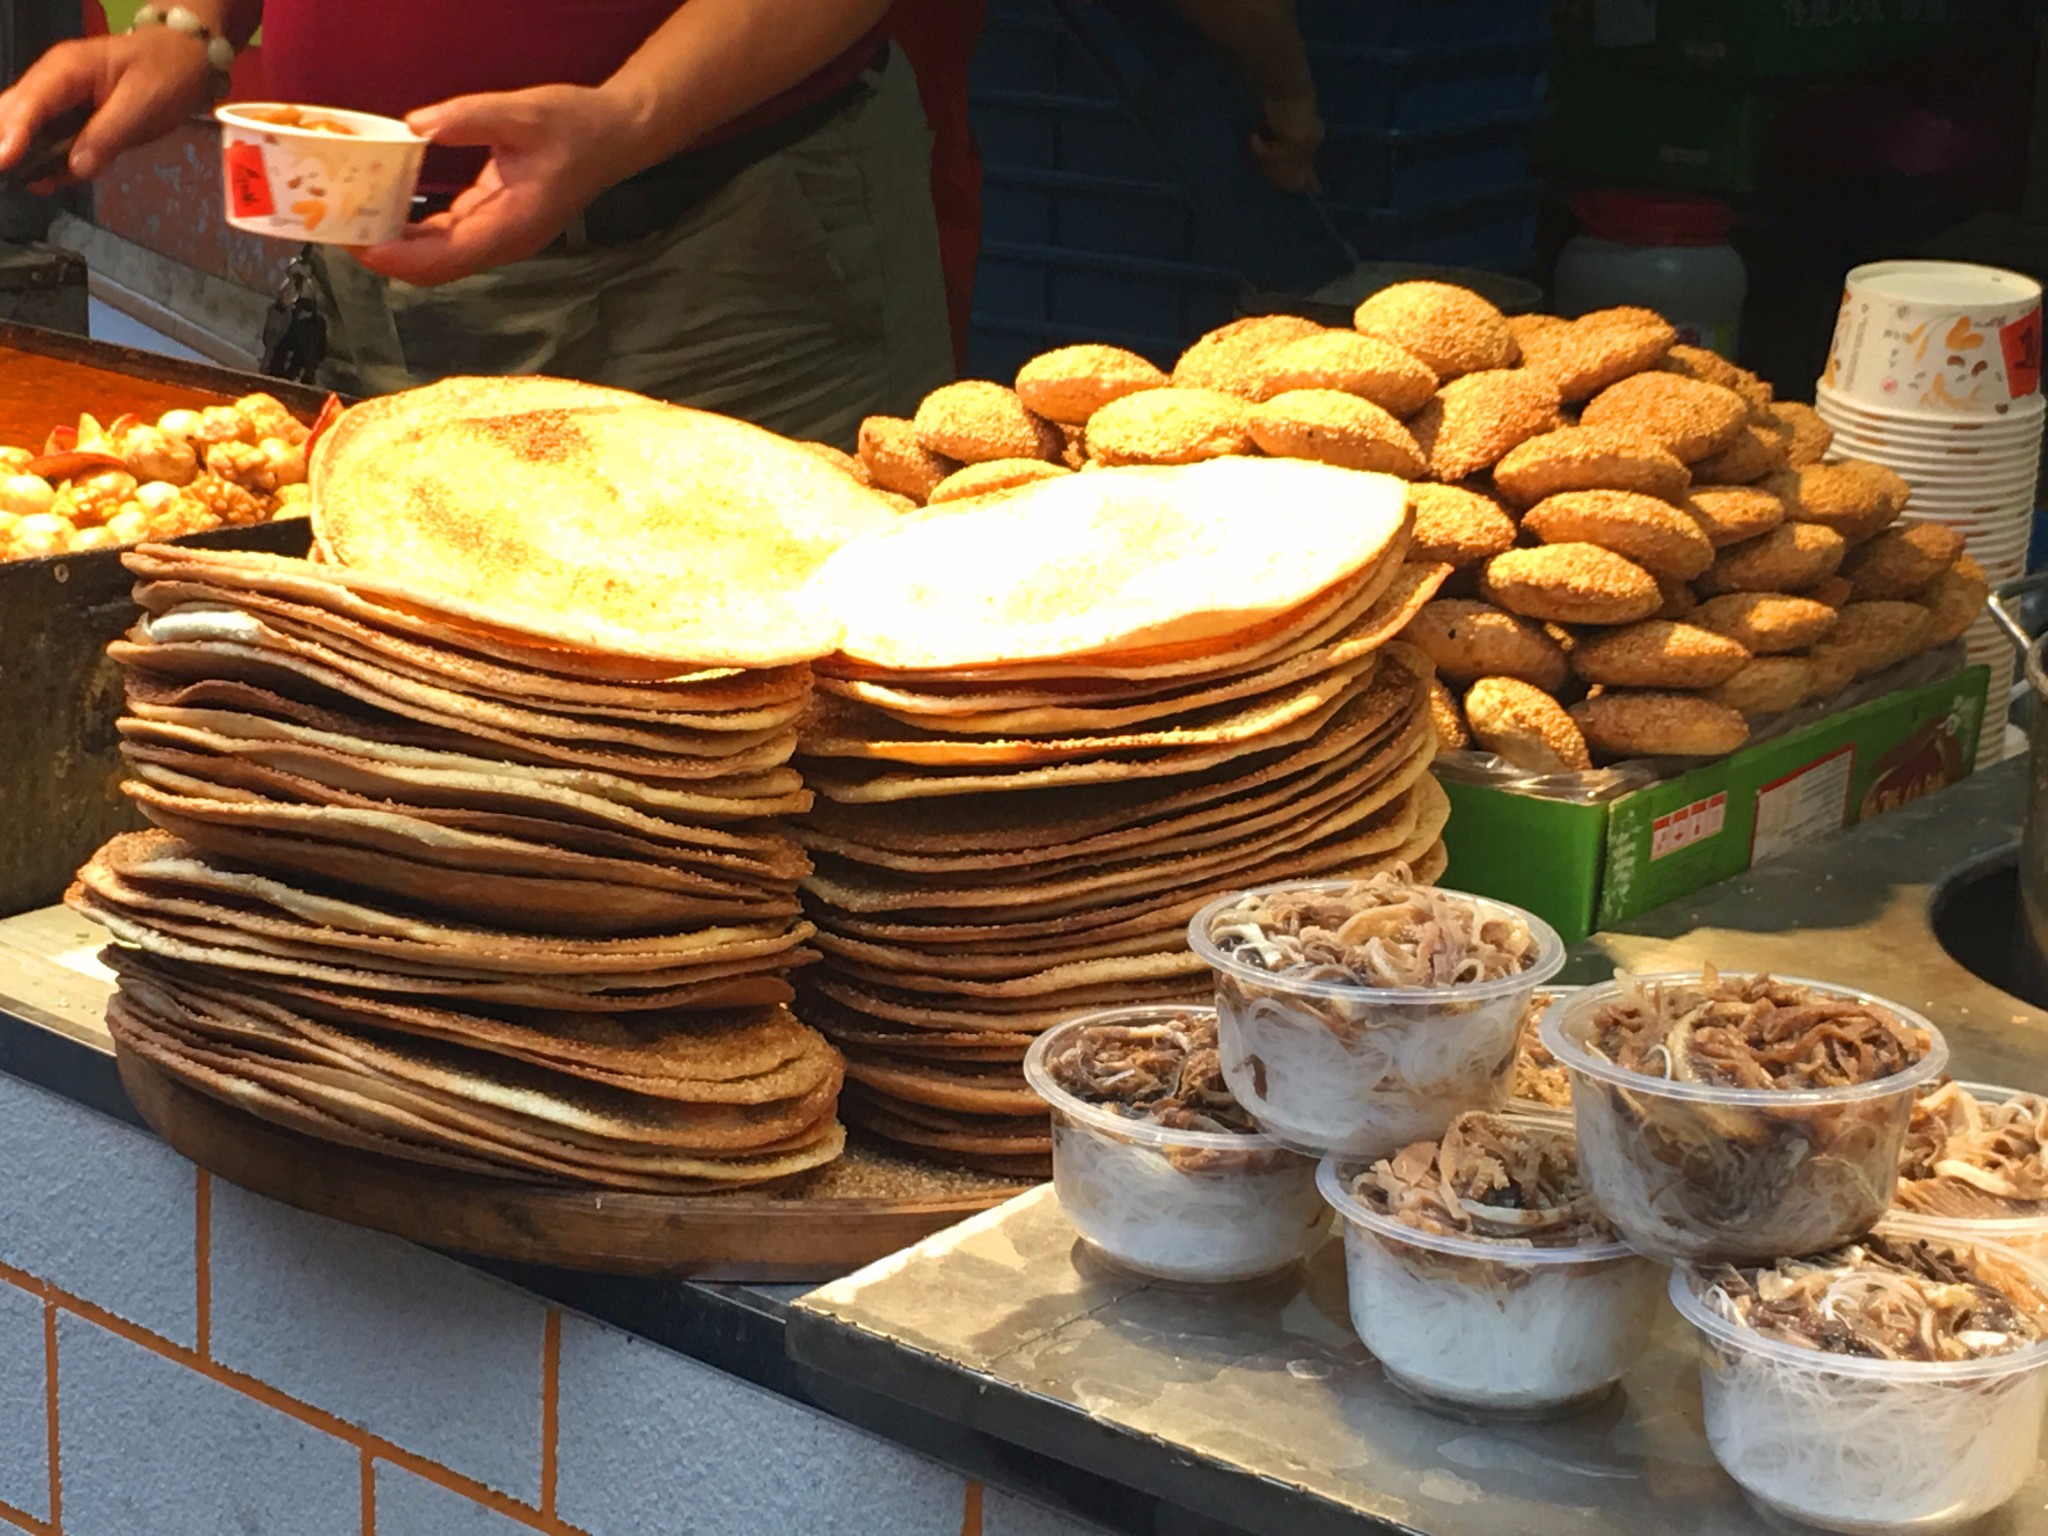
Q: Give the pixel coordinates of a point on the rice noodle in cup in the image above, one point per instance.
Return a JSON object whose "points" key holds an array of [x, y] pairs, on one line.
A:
{"points": [[1330, 1065], [318, 174], [1197, 1206], [1483, 1324], [1975, 1165], [1688, 1168], [1874, 1443], [1541, 1085]]}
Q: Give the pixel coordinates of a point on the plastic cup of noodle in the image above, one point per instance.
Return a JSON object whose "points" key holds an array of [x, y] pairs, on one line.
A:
{"points": [[2026, 1234], [1485, 1328], [1552, 997], [317, 174], [1196, 1207], [1851, 1443], [1693, 1171], [1362, 1071]]}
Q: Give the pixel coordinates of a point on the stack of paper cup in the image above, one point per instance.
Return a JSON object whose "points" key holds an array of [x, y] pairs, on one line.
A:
{"points": [[1935, 372]]}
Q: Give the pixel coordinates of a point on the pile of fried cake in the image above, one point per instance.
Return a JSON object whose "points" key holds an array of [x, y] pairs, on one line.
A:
{"points": [[466, 842], [1651, 552]]}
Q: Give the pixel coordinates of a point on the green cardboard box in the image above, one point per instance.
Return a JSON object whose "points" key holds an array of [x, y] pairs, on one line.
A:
{"points": [[1582, 867]]}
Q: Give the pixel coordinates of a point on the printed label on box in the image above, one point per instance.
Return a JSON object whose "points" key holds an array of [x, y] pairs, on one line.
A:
{"points": [[248, 187], [1689, 824], [1803, 806]]}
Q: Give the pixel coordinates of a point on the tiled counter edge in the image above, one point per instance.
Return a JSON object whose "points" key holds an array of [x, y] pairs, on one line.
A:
{"points": [[179, 1357]]}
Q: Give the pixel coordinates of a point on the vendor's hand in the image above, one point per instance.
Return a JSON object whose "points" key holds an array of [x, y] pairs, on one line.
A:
{"points": [[553, 149], [140, 84]]}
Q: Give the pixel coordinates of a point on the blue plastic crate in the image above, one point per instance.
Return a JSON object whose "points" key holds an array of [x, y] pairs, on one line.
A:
{"points": [[1443, 25], [1101, 295], [1089, 213], [1014, 211], [1012, 286], [1019, 55], [1374, 168], [1496, 232], [1013, 128], [1426, 93]]}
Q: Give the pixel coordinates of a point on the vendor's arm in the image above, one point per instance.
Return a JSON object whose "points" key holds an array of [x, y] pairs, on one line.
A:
{"points": [[556, 147], [141, 85]]}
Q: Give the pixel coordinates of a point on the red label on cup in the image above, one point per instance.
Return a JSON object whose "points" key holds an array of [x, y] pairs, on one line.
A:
{"points": [[2021, 342], [248, 187]]}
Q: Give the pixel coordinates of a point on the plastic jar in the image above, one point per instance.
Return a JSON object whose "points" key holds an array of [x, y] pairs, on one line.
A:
{"points": [[1663, 250]]}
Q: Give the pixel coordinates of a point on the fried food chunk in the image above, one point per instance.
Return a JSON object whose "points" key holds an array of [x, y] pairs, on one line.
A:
{"points": [[1332, 427], [994, 476], [1231, 357], [1169, 426], [1902, 561], [1868, 637], [1528, 325], [1468, 641], [1956, 600], [1525, 726], [1789, 557], [1766, 623], [1833, 670], [1571, 584], [1070, 384], [1710, 367], [1451, 329], [1656, 535], [1658, 653], [975, 421], [1769, 685], [896, 461], [1729, 514], [1456, 526], [1584, 356], [1630, 724], [838, 458], [1857, 500], [1589, 459], [1811, 437], [1691, 419], [1375, 370], [1476, 420], [1448, 716], [1758, 449], [1834, 591]]}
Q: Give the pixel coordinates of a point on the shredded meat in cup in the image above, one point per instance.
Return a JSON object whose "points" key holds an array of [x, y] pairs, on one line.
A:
{"points": [[1972, 1160], [1886, 1298], [1382, 932], [1168, 1073], [1539, 1077], [1490, 1176], [1756, 1032]]}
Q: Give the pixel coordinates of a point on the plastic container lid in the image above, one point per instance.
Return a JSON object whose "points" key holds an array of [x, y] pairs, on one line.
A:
{"points": [[1333, 1178], [1654, 218]]}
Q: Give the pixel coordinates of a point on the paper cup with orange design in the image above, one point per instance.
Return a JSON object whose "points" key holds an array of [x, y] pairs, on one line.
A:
{"points": [[1937, 336], [317, 174]]}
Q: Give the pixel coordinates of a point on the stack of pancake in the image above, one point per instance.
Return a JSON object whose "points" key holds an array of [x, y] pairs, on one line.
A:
{"points": [[467, 847], [1061, 720]]}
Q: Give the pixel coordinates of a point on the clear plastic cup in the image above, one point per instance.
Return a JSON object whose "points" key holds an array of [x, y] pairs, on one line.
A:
{"points": [[1359, 1071], [1518, 1104], [1487, 1328], [350, 183], [1197, 1207], [1690, 1171], [2026, 1234], [1850, 1443]]}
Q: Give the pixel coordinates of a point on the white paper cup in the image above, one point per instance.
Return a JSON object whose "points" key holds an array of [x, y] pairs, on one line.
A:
{"points": [[1937, 336], [1959, 445], [329, 187], [2012, 416]]}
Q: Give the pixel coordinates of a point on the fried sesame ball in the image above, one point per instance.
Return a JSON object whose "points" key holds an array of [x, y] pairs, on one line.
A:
{"points": [[1332, 427], [1470, 640], [1659, 537], [1691, 419], [1525, 727], [1231, 357], [896, 461], [1624, 724], [1070, 384], [1476, 420], [1709, 367], [1589, 459], [975, 421], [1789, 557], [1457, 526], [1868, 637], [1452, 330], [1956, 600], [1169, 426], [1902, 562], [1679, 600], [1758, 449], [1857, 500], [1571, 584], [1448, 716], [995, 476], [1730, 514], [1811, 437], [1357, 364], [1658, 653], [1769, 685], [1834, 591], [1586, 355], [1766, 623]]}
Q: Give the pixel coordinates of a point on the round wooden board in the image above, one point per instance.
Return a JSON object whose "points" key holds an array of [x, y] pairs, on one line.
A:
{"points": [[741, 1236]]}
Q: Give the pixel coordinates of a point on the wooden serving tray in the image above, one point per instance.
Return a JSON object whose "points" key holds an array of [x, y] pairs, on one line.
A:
{"points": [[811, 1235]]}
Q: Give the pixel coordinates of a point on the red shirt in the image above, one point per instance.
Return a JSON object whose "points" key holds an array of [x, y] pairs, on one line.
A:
{"points": [[393, 56]]}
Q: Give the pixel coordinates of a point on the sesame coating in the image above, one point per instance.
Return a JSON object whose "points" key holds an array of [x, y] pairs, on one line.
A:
{"points": [[1571, 584], [1475, 421], [1525, 726], [1468, 640], [1335, 428], [1452, 330], [1689, 418], [1070, 384], [1767, 623], [1658, 653], [1589, 459], [975, 421], [1659, 537]]}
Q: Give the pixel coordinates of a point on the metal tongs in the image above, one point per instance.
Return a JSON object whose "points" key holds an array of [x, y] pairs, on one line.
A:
{"points": [[48, 153]]}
